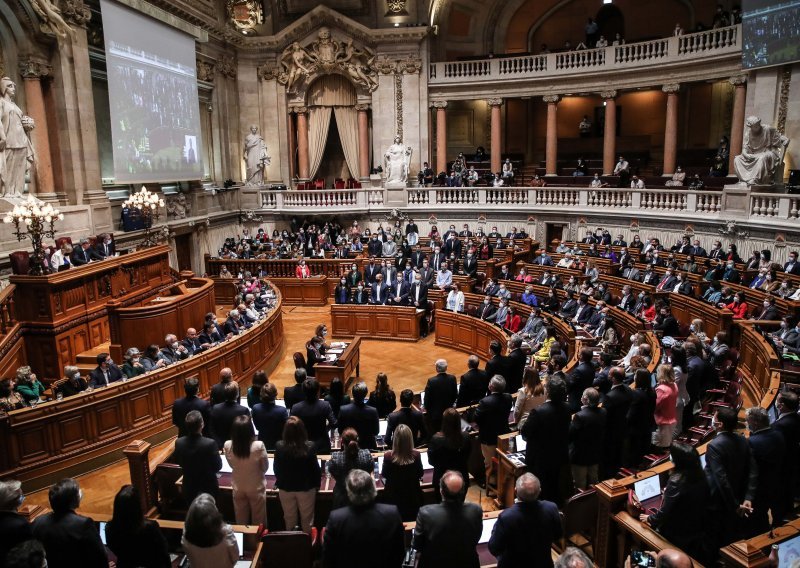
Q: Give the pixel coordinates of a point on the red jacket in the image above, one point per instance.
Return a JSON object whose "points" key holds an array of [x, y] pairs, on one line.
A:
{"points": [[302, 271], [739, 310], [513, 324]]}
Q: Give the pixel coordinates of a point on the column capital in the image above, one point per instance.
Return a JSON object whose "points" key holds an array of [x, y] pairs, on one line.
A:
{"points": [[671, 88], [439, 104], [363, 107], [605, 95], [551, 99], [34, 68], [298, 110], [494, 102], [738, 80], [268, 72]]}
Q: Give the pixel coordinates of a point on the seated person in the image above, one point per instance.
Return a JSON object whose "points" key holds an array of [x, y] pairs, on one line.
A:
{"points": [[105, 373], [74, 382], [425, 175], [10, 399], [697, 183], [84, 254], [173, 351], [677, 178], [132, 367], [597, 182], [537, 181], [508, 169], [581, 169]]}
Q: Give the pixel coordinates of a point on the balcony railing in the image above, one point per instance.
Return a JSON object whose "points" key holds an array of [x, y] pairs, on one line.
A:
{"points": [[689, 47]]}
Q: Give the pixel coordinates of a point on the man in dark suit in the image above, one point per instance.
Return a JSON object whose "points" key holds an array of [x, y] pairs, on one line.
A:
{"points": [[667, 282], [697, 381], [183, 406], [294, 394], [768, 312], [199, 459], [418, 293], [223, 414], [768, 449], [363, 531], [317, 416], [269, 418], [793, 266], [417, 257], [666, 323], [486, 310], [233, 324], [497, 363], [523, 534], [210, 336], [14, 527], [583, 311], [371, 270], [491, 417], [360, 296], [732, 477], [361, 417], [398, 293], [586, 437], [84, 254], [474, 384], [568, 309], [470, 266], [106, 247], [380, 291], [437, 258], [441, 393], [427, 274], [581, 378], [617, 402], [192, 342], [105, 373], [515, 363], [173, 351], [446, 535], [69, 539], [547, 434], [375, 247], [409, 416], [788, 424], [217, 395]]}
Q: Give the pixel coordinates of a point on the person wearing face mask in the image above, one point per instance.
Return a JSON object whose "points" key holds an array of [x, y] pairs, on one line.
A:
{"points": [[759, 279], [696, 328], [469, 267], [486, 311], [173, 351], [354, 276], [733, 254], [408, 272], [132, 366], [717, 350], [74, 382], [543, 259], [730, 274], [499, 317], [683, 285], [399, 291], [360, 295], [792, 266], [650, 276], [769, 450], [503, 292], [768, 312], [739, 306], [105, 246], [105, 373], [341, 294]]}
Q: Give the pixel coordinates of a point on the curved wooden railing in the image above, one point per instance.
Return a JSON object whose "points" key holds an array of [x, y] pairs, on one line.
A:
{"points": [[12, 350]]}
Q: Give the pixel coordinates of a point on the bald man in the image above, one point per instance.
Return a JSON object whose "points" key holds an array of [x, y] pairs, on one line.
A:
{"points": [[446, 534], [667, 558]]}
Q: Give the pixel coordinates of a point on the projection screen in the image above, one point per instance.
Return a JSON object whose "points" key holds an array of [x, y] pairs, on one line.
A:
{"points": [[770, 29], [152, 88]]}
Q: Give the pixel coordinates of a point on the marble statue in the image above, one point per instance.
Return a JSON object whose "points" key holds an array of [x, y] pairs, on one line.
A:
{"points": [[178, 207], [762, 153], [16, 150], [396, 162], [255, 157], [52, 19]]}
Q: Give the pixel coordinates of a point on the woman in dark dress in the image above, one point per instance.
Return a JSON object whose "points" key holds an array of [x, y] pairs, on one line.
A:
{"points": [[134, 540], [382, 398], [341, 463], [640, 417], [449, 448], [402, 470], [681, 518], [336, 397]]}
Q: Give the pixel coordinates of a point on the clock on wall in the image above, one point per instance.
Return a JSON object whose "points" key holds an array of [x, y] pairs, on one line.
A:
{"points": [[245, 15]]}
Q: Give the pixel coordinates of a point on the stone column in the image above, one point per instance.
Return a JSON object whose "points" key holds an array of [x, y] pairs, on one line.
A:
{"points": [[302, 142], [441, 136], [496, 140], [610, 133], [33, 71], [671, 129], [363, 141], [551, 148], [737, 122]]}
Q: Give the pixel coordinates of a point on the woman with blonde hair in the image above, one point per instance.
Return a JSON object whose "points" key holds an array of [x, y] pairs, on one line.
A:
{"points": [[402, 470], [529, 397], [248, 459], [666, 407]]}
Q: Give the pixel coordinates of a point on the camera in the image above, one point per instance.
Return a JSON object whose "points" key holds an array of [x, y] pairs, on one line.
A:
{"points": [[639, 558]]}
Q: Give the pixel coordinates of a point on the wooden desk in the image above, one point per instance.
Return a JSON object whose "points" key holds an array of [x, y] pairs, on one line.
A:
{"points": [[303, 291], [399, 323], [508, 470], [467, 334], [346, 365]]}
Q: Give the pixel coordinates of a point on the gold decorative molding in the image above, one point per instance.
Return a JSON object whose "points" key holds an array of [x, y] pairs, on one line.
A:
{"points": [[205, 71], [396, 8]]}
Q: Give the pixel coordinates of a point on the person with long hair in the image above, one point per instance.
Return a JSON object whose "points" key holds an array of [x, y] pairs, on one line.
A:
{"points": [[530, 396], [641, 419], [402, 470], [207, 540], [336, 396], [297, 475], [254, 392], [666, 406], [682, 516], [680, 367], [249, 462], [350, 457], [135, 541], [382, 398], [449, 448]]}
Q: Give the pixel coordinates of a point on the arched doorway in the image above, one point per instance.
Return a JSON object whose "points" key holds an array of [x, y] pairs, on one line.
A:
{"points": [[611, 22], [332, 129]]}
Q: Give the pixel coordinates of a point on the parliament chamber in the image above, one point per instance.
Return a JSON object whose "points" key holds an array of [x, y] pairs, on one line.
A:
{"points": [[384, 283]]}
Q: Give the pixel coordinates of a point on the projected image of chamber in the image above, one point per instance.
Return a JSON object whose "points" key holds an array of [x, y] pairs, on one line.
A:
{"points": [[770, 30], [155, 115]]}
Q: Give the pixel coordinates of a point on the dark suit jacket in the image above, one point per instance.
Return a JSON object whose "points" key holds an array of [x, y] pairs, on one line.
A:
{"points": [[617, 403], [360, 297], [232, 326], [768, 449], [524, 534], [370, 271], [318, 419], [402, 298], [379, 295], [364, 419], [697, 377], [586, 435], [795, 269], [516, 369], [789, 426], [15, 530], [579, 380], [80, 257], [492, 417], [364, 537], [417, 257], [486, 311], [194, 346], [423, 294], [222, 417], [568, 309], [104, 251], [183, 406], [441, 392], [200, 460], [586, 313], [446, 535], [682, 518], [96, 376], [269, 420], [769, 314], [731, 470], [414, 419], [474, 385], [547, 434], [497, 365], [292, 395], [668, 326], [70, 540], [470, 267], [217, 395]]}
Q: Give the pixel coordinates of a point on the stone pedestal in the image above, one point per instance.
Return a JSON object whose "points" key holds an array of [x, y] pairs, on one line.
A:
{"points": [[375, 180], [736, 200], [396, 194]]}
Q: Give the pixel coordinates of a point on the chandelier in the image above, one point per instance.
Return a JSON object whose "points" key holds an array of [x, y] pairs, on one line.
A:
{"points": [[34, 220], [148, 205]]}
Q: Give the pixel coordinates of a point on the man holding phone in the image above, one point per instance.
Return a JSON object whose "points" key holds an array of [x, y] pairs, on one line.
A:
{"points": [[667, 558]]}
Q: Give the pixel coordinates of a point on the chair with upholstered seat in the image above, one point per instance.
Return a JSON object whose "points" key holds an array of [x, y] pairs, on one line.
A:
{"points": [[580, 521], [287, 548], [20, 261]]}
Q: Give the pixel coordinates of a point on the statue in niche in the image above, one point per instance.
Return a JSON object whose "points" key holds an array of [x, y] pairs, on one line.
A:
{"points": [[16, 150], [297, 64], [358, 63], [396, 162], [255, 157], [762, 153]]}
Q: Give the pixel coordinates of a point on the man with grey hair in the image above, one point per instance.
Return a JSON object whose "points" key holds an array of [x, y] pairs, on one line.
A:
{"points": [[441, 393], [492, 420], [84, 254], [769, 452], [361, 417], [446, 534], [586, 437], [524, 533], [573, 558], [363, 533], [13, 526], [474, 383]]}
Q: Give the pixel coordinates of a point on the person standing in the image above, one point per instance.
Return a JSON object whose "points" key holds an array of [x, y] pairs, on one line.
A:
{"points": [[402, 471], [134, 540], [361, 417], [491, 417], [343, 462], [249, 462], [449, 448], [586, 437], [183, 406], [441, 393], [223, 415], [317, 416], [199, 459], [617, 402], [523, 534], [768, 449], [13, 526], [788, 424], [409, 416], [297, 475], [268, 417]]}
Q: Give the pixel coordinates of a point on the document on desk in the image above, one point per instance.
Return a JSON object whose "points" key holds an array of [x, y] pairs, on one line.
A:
{"points": [[382, 424], [426, 465], [486, 533], [334, 351], [226, 467]]}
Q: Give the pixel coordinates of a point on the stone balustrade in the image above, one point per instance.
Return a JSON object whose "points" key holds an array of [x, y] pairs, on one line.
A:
{"points": [[700, 47]]}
